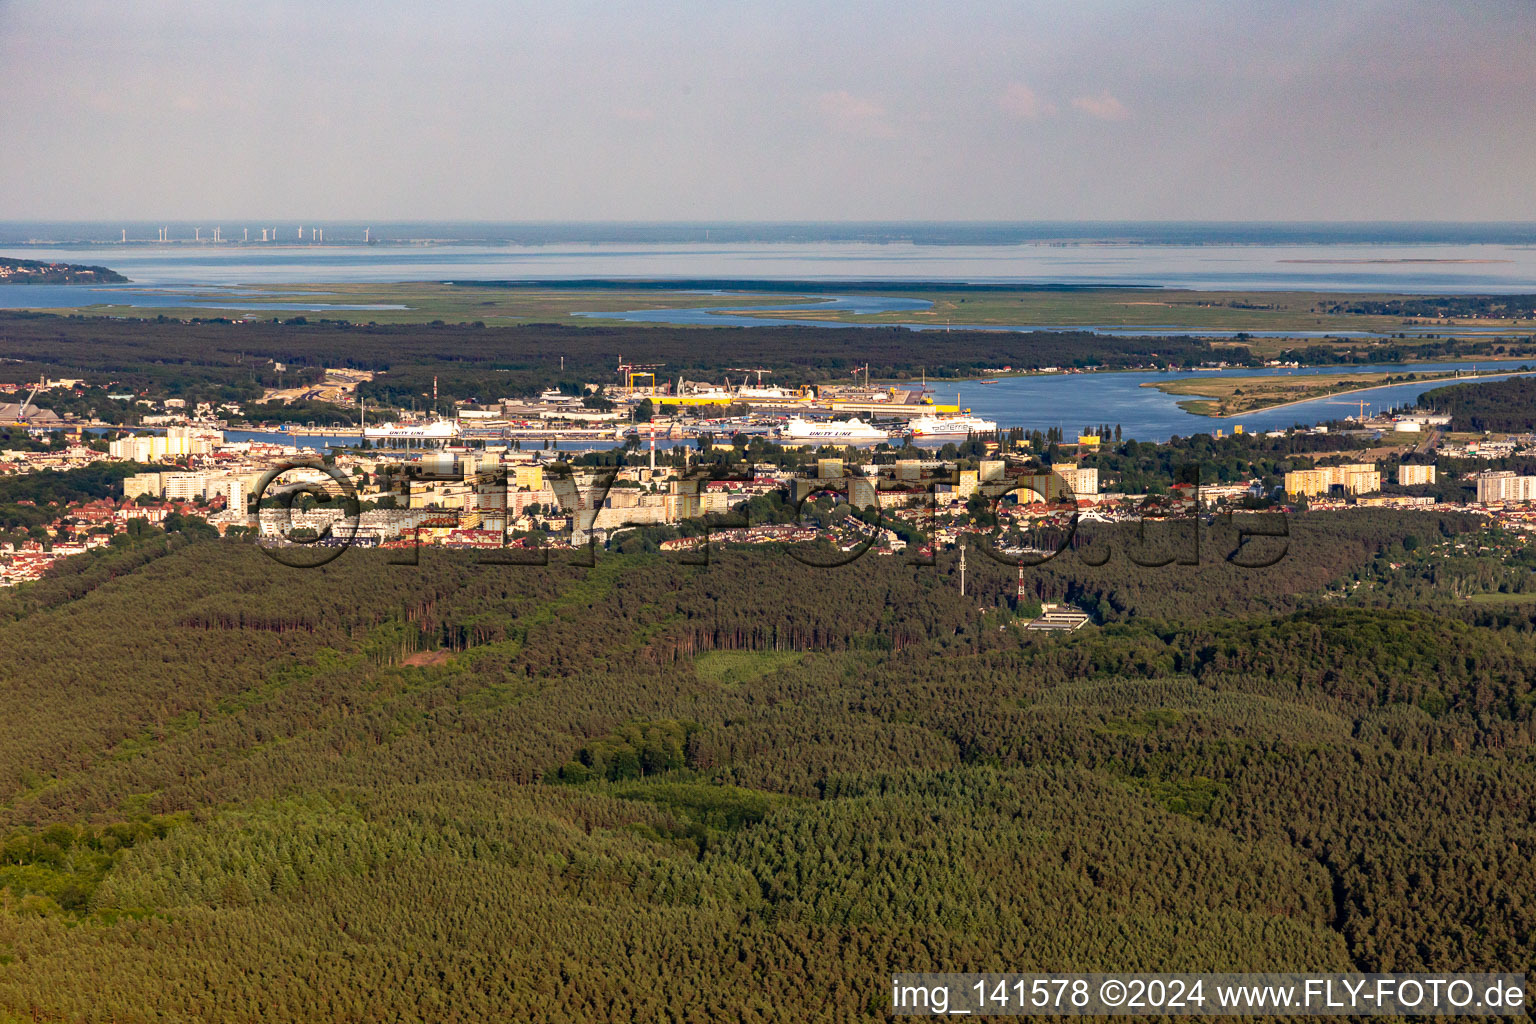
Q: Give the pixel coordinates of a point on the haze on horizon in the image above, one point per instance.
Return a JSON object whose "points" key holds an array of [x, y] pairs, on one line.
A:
{"points": [[975, 110]]}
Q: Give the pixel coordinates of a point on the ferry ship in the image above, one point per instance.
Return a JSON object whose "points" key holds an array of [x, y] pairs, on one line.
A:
{"points": [[951, 426], [761, 393], [435, 430], [800, 429]]}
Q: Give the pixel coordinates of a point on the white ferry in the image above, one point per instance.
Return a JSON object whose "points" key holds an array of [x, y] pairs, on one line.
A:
{"points": [[855, 430], [950, 426], [760, 393], [435, 430], [703, 393]]}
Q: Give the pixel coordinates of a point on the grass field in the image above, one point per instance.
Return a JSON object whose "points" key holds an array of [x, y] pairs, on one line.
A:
{"points": [[1176, 310], [1501, 599], [426, 301], [1256, 311]]}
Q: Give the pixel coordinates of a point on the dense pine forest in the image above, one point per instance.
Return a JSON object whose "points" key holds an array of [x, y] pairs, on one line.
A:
{"points": [[653, 791], [217, 359], [1503, 405]]}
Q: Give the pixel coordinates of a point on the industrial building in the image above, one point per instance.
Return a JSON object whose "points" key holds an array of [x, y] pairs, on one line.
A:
{"points": [[1059, 618]]}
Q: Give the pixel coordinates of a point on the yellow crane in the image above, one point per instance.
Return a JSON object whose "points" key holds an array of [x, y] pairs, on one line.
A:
{"points": [[630, 373], [1363, 405]]}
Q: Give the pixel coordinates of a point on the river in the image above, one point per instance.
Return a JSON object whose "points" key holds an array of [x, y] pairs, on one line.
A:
{"points": [[1073, 401]]}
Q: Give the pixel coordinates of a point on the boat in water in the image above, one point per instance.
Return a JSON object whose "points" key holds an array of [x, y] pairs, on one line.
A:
{"points": [[432, 430], [951, 426], [855, 430]]}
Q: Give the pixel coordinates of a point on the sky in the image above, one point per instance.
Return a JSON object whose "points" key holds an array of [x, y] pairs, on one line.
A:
{"points": [[768, 110]]}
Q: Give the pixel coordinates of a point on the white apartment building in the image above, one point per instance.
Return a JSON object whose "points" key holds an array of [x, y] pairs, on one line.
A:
{"points": [[185, 486], [1503, 485], [1083, 480], [188, 486], [175, 442]]}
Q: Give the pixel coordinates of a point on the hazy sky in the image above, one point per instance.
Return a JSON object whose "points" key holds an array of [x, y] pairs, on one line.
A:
{"points": [[616, 110]]}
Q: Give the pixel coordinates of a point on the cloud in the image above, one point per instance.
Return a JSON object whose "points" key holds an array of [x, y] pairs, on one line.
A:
{"points": [[639, 115], [1103, 106], [854, 115], [1022, 101]]}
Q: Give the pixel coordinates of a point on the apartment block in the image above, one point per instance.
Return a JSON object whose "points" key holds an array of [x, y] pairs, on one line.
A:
{"points": [[1354, 478], [1503, 485]]}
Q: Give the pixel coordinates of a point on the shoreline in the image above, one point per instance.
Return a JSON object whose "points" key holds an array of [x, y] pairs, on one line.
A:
{"points": [[1341, 367], [1334, 394]]}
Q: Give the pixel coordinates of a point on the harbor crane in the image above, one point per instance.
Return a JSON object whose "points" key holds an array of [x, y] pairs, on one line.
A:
{"points": [[630, 372], [759, 370], [1363, 405], [21, 410]]}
